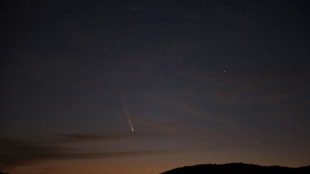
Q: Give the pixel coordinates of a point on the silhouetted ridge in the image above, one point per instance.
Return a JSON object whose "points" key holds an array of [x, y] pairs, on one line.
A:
{"points": [[239, 168]]}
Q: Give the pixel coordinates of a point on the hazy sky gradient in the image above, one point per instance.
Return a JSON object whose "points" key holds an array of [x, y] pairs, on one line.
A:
{"points": [[201, 81]]}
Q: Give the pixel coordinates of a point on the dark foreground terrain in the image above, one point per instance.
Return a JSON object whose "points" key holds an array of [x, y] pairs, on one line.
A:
{"points": [[239, 168]]}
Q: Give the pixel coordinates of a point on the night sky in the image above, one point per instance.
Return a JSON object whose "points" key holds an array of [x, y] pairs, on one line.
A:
{"points": [[144, 86]]}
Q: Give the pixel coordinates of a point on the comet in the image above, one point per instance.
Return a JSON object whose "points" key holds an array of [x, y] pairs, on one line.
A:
{"points": [[125, 110]]}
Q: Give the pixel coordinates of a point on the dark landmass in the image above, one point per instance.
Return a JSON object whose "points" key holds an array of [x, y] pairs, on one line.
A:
{"points": [[239, 168]]}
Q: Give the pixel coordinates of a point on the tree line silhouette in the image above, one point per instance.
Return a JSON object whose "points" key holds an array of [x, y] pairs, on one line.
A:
{"points": [[240, 168]]}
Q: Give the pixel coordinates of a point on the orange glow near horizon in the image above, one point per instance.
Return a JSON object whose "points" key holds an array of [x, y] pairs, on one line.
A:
{"points": [[157, 163]]}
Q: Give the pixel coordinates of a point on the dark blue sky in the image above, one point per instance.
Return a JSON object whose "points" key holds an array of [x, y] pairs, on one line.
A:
{"points": [[199, 81]]}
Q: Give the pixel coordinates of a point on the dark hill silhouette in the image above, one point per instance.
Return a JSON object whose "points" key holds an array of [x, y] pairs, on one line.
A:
{"points": [[239, 168]]}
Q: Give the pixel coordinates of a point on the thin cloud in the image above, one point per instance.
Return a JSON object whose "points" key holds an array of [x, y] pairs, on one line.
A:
{"points": [[161, 126], [16, 152], [198, 113], [87, 138]]}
